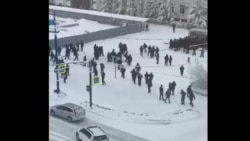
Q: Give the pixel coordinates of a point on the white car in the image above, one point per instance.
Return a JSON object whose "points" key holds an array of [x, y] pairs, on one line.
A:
{"points": [[91, 133]]}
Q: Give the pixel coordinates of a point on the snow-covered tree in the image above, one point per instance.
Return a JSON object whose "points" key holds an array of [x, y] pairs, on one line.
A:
{"points": [[165, 13], [199, 76], [198, 14], [148, 7], [104, 5], [131, 9], [140, 8]]}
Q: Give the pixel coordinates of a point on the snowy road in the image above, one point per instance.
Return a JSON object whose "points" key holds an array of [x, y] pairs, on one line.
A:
{"points": [[62, 130]]}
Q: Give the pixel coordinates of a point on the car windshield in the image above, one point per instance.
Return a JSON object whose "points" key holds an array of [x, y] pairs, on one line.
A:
{"points": [[100, 138]]}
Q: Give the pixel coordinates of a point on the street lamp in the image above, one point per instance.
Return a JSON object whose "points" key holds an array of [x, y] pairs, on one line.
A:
{"points": [[57, 76]]}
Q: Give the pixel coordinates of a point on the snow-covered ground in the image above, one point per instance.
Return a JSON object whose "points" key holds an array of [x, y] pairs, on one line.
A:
{"points": [[128, 107], [84, 26]]}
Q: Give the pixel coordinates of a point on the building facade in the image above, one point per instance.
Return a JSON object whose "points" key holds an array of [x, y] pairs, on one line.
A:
{"points": [[181, 9], [60, 2]]}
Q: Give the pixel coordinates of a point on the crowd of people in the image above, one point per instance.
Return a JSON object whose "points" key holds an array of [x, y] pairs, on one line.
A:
{"points": [[188, 43], [117, 57]]}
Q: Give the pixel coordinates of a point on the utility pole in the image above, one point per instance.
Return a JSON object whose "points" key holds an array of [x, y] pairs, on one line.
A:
{"points": [[90, 85], [57, 76]]}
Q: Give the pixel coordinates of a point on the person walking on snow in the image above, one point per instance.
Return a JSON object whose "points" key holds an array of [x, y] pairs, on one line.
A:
{"points": [[190, 94], [170, 60], [183, 94], [103, 77], [161, 93], [173, 87], [167, 94], [174, 25], [181, 70], [166, 59]]}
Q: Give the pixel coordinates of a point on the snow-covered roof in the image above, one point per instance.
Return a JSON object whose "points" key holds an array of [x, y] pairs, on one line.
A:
{"points": [[96, 130], [91, 12]]}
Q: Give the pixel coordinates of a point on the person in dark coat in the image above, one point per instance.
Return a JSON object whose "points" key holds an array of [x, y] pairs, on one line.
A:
{"points": [[149, 50], [174, 25], [190, 94], [95, 72], [76, 55], [52, 56], [141, 51], [183, 94], [133, 72], [82, 45], [139, 76], [188, 59], [67, 53], [157, 58], [149, 86], [109, 58], [146, 77], [103, 77], [129, 59], [59, 49], [150, 76], [170, 60], [152, 52], [156, 50], [161, 93], [182, 70], [77, 46], [67, 69], [100, 49], [194, 53], [102, 67], [166, 59], [146, 27], [202, 52], [167, 94], [145, 47], [138, 67], [65, 77], [173, 87], [122, 70], [170, 86]]}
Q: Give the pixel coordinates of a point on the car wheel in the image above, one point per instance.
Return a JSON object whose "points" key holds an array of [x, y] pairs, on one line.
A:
{"points": [[69, 119], [77, 137], [53, 113]]}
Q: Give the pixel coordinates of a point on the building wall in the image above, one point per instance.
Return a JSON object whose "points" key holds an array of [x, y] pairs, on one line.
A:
{"points": [[187, 6], [98, 35], [131, 27], [62, 2]]}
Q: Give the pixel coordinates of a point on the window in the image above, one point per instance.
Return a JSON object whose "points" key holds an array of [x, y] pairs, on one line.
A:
{"points": [[103, 137], [68, 109], [60, 107], [182, 9], [85, 132]]}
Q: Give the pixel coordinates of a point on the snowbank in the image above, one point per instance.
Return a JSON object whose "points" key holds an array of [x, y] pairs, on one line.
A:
{"points": [[179, 115]]}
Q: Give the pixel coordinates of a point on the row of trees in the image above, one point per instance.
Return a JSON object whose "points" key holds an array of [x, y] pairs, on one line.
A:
{"points": [[159, 10], [154, 9]]}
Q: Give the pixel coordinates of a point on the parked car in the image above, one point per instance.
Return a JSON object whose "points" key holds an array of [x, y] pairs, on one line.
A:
{"points": [[91, 133], [69, 111]]}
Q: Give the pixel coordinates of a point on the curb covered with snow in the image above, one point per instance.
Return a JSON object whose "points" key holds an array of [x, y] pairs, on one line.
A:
{"points": [[166, 118]]}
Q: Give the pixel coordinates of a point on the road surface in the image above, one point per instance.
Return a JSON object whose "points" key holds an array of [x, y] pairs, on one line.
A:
{"points": [[62, 130]]}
